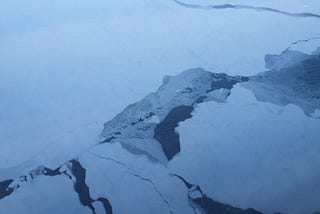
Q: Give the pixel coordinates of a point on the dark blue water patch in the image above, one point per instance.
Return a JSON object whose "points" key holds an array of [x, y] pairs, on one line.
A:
{"points": [[106, 204], [188, 185], [165, 133], [50, 172], [23, 178], [55, 172], [82, 189], [211, 206], [225, 82], [80, 185], [108, 140], [44, 171], [5, 190]]}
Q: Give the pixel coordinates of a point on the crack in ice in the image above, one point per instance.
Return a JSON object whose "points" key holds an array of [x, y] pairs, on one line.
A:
{"points": [[135, 174], [245, 7], [301, 41]]}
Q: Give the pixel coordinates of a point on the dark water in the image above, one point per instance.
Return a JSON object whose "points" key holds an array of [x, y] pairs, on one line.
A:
{"points": [[108, 140], [50, 172], [80, 185], [106, 204], [5, 190], [165, 133], [82, 189], [226, 83], [213, 207], [223, 83]]}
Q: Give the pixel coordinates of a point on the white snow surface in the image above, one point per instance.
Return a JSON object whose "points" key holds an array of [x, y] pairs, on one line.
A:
{"points": [[252, 154]]}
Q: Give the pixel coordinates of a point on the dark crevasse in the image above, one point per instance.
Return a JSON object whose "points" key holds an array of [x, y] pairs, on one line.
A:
{"points": [[80, 185], [44, 171], [246, 7], [226, 83], [50, 172], [82, 189], [106, 204], [165, 132], [210, 206], [5, 190], [182, 93], [213, 207]]}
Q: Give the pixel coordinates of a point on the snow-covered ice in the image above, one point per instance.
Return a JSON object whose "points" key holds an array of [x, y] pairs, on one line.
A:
{"points": [[249, 153], [67, 67]]}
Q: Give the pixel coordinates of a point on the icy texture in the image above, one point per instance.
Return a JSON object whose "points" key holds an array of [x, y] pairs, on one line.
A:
{"points": [[252, 152], [176, 95], [293, 78], [69, 66], [209, 129]]}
